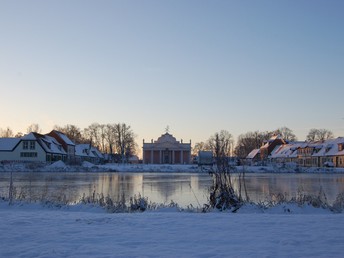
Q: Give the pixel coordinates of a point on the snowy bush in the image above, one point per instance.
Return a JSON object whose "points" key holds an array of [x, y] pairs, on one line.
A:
{"points": [[222, 193]]}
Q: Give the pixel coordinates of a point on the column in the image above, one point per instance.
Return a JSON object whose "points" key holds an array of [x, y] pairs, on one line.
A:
{"points": [[181, 157], [173, 156], [160, 156], [151, 159]]}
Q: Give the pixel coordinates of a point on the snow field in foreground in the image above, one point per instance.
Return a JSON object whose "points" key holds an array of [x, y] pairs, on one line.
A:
{"points": [[33, 231]]}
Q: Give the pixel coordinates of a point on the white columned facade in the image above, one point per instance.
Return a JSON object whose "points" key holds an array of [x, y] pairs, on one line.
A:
{"points": [[166, 150]]}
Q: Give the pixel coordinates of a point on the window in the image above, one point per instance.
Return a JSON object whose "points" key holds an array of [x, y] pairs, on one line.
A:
{"points": [[28, 154], [25, 145], [32, 145]]}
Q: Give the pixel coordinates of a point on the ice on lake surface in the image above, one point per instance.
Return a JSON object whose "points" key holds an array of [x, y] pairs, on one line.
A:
{"points": [[181, 188]]}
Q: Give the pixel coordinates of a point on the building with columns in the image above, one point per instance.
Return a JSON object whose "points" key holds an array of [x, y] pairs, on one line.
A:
{"points": [[166, 150]]}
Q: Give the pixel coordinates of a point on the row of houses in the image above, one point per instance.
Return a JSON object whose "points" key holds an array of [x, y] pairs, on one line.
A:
{"points": [[328, 153], [50, 147]]}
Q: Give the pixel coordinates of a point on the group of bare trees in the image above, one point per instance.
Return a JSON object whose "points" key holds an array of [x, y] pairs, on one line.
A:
{"points": [[8, 132], [253, 140], [221, 144], [319, 135], [117, 138]]}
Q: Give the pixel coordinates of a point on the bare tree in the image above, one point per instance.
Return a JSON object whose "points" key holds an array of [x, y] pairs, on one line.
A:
{"points": [[250, 141], [324, 134], [18, 135], [125, 140], [199, 146], [102, 136], [221, 144], [110, 137], [72, 132], [92, 133], [6, 132], [319, 135], [35, 128], [287, 134]]}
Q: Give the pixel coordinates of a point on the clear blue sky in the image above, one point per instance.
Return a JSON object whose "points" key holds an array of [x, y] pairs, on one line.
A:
{"points": [[197, 66]]}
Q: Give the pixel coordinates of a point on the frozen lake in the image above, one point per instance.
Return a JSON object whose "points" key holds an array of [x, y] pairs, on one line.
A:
{"points": [[182, 188]]}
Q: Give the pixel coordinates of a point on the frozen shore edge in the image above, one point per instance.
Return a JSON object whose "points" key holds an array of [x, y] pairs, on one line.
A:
{"points": [[60, 166]]}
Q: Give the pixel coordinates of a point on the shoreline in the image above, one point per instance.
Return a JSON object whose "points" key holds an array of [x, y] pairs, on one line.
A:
{"points": [[60, 166]]}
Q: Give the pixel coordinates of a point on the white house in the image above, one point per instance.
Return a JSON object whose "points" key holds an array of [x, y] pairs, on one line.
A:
{"points": [[31, 147], [86, 152]]}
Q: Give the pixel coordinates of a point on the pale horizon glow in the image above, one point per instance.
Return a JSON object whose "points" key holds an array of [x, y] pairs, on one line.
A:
{"points": [[198, 67]]}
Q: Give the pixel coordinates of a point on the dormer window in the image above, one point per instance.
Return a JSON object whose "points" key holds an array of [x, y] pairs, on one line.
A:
{"points": [[340, 146]]}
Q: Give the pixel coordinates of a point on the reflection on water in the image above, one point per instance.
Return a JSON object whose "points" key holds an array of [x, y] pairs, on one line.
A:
{"points": [[182, 188]]}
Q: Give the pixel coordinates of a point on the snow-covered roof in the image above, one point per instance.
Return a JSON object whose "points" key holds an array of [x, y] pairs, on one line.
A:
{"points": [[48, 143], [253, 154], [330, 148], [8, 144], [82, 150], [30, 137], [96, 152], [288, 150], [65, 138], [86, 150], [51, 145]]}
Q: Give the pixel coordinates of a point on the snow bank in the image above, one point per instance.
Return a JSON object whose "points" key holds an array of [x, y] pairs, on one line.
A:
{"points": [[92, 233], [87, 164], [111, 167], [57, 164]]}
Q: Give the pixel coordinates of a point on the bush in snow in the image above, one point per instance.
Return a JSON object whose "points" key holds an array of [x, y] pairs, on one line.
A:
{"points": [[222, 193]]}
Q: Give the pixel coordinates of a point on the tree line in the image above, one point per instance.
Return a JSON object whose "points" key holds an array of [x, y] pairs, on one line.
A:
{"points": [[222, 143], [119, 138]]}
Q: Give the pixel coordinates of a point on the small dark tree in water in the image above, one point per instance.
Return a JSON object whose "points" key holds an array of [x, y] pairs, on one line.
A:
{"points": [[222, 194]]}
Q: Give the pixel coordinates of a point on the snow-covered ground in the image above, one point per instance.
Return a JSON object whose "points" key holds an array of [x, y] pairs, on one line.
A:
{"points": [[286, 230], [111, 167], [30, 230]]}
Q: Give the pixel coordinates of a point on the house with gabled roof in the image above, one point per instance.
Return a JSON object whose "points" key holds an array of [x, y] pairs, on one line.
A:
{"points": [[330, 153], [31, 147], [253, 156], [270, 145], [311, 154], [67, 144], [86, 152], [286, 153]]}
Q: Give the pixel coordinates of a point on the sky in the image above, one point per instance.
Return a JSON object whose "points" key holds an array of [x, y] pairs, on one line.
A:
{"points": [[198, 67]]}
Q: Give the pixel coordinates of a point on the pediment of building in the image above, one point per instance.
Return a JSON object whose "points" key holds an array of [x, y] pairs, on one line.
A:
{"points": [[167, 138]]}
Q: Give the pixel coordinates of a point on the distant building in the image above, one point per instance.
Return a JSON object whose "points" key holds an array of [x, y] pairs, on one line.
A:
{"points": [[205, 158], [166, 150], [328, 153], [86, 152], [31, 147], [253, 157], [67, 144], [270, 145]]}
